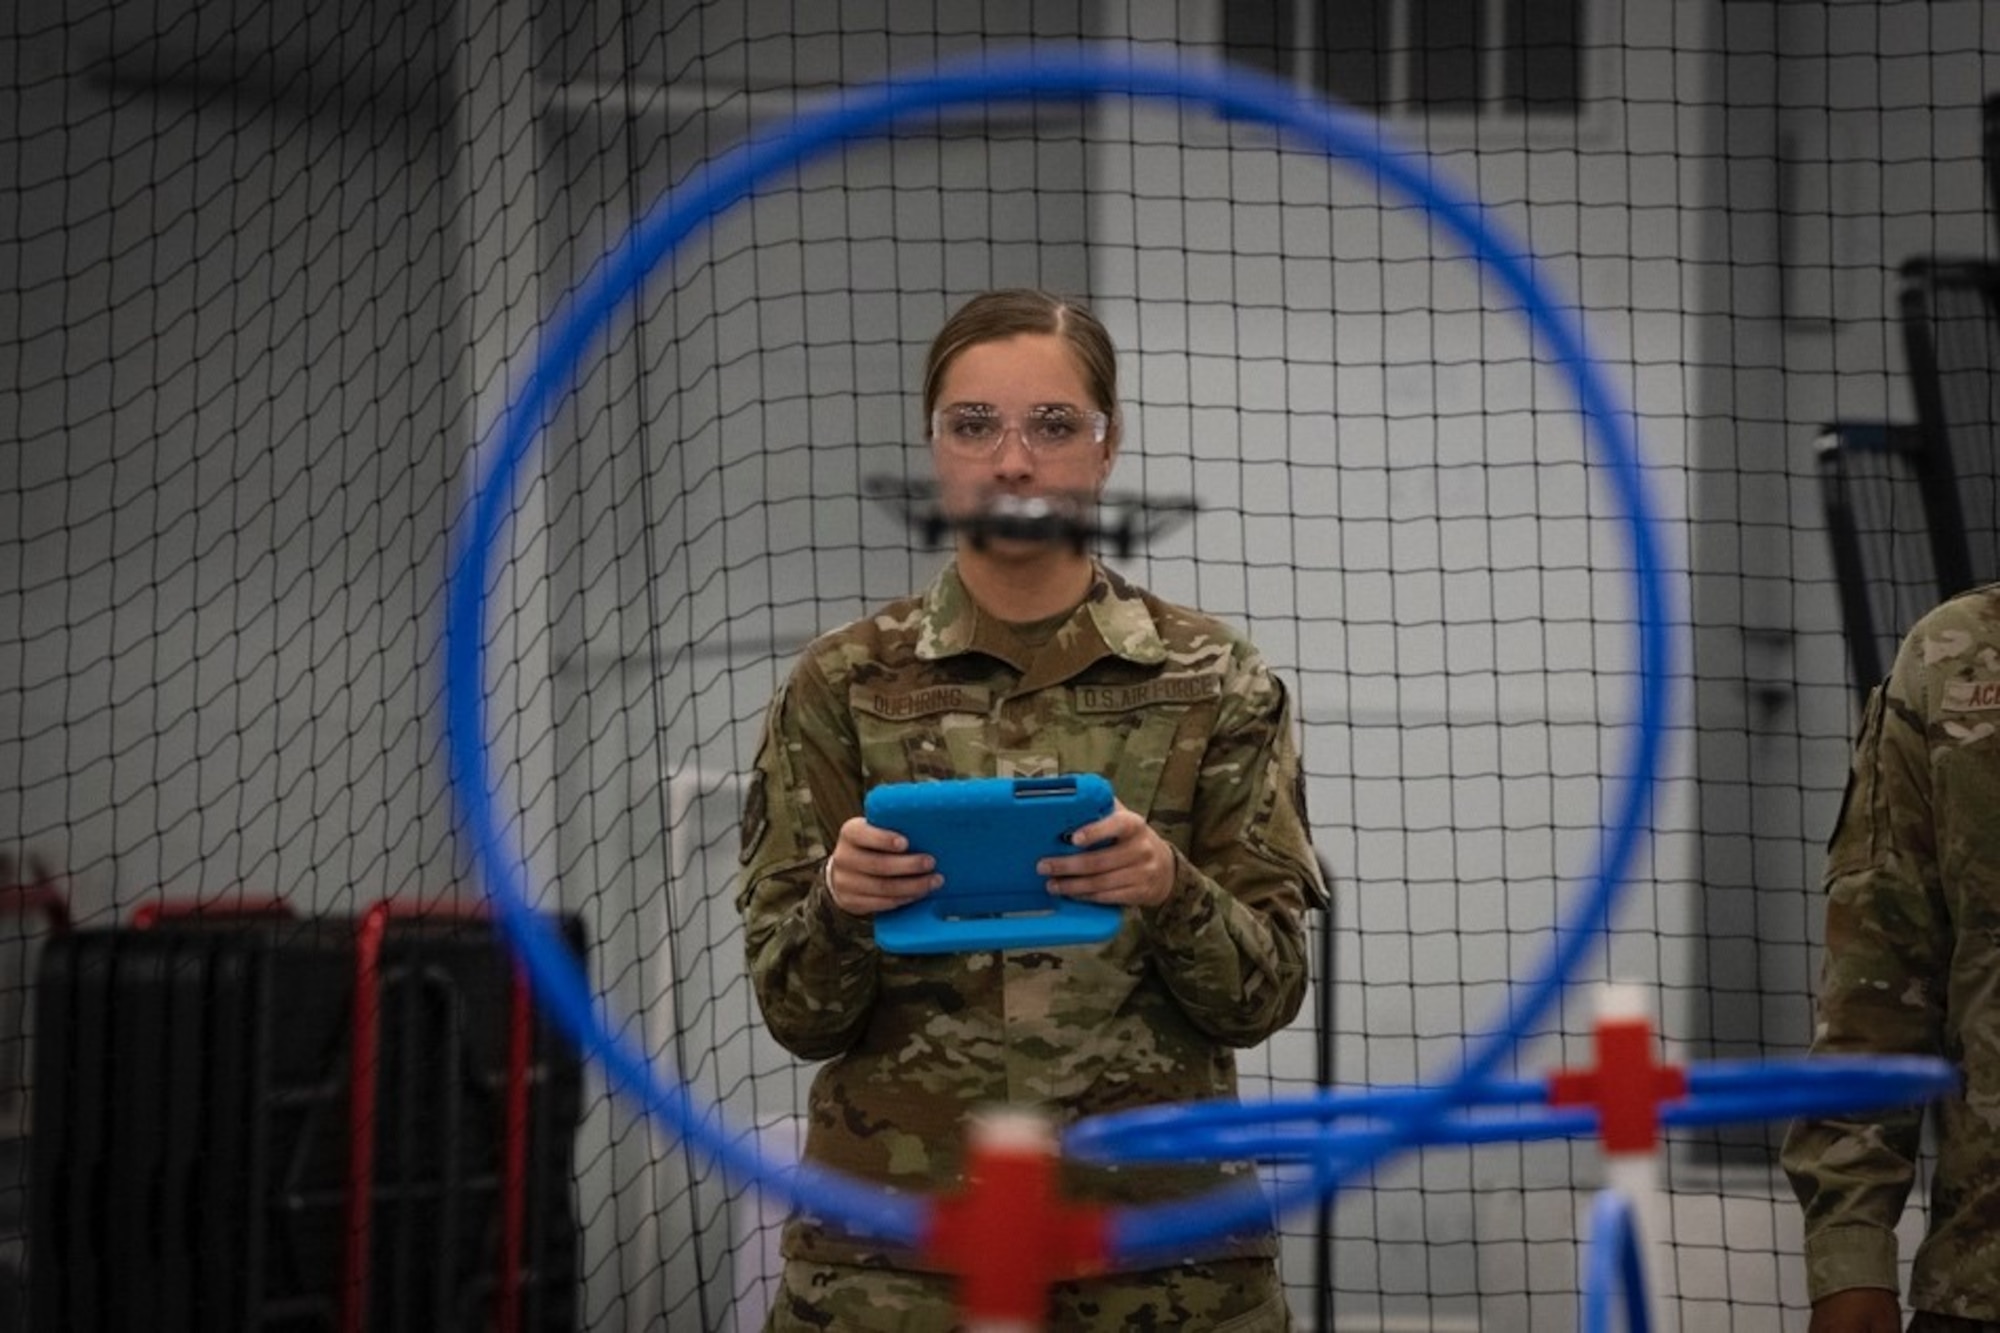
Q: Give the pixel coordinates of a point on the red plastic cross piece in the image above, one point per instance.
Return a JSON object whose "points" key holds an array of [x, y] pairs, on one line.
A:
{"points": [[1627, 1088], [1007, 1236]]}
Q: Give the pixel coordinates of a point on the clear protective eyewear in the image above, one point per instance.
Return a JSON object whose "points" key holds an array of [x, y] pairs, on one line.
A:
{"points": [[978, 432]]}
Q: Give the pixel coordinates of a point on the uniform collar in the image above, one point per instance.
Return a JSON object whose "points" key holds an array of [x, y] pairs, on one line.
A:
{"points": [[1114, 620]]}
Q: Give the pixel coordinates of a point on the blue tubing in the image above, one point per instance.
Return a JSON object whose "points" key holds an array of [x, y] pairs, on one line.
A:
{"points": [[1614, 1265], [1300, 1128], [582, 323]]}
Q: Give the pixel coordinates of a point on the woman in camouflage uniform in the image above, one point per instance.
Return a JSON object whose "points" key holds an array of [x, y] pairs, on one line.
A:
{"points": [[1027, 658], [1912, 962]]}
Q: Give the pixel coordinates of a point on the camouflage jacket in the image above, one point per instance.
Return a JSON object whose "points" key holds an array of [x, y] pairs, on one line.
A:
{"points": [[1913, 966], [1192, 730]]}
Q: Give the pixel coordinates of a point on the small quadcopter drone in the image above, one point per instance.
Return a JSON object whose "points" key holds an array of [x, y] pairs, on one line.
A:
{"points": [[1072, 518]]}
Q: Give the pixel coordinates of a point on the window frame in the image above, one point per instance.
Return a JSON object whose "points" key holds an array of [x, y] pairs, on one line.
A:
{"points": [[1495, 122]]}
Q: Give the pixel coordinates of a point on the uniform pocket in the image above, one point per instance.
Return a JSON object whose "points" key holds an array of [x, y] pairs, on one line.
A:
{"points": [[1148, 738]]}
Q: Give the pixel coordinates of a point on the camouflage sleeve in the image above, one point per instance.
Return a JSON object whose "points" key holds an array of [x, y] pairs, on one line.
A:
{"points": [[812, 964], [1881, 990], [1230, 941]]}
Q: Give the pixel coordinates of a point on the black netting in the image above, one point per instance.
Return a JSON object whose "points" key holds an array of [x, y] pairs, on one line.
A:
{"points": [[268, 270]]}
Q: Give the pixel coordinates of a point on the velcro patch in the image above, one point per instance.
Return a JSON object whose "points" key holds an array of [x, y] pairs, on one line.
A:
{"points": [[1971, 696], [1186, 688], [926, 701]]}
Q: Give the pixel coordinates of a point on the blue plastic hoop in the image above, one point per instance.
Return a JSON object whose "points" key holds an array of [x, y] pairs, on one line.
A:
{"points": [[1235, 94]]}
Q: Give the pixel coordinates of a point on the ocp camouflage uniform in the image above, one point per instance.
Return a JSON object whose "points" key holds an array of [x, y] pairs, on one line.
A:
{"points": [[1913, 967], [1181, 715]]}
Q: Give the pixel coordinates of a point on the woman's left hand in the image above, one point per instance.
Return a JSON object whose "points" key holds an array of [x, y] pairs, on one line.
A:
{"points": [[1128, 864]]}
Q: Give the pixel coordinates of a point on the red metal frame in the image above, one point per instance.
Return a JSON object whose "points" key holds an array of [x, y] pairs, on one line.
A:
{"points": [[364, 1082], [364, 1070], [514, 1153], [39, 896], [42, 897], [152, 914]]}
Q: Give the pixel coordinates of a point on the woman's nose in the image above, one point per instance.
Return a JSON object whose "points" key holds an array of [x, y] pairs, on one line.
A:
{"points": [[1013, 457]]}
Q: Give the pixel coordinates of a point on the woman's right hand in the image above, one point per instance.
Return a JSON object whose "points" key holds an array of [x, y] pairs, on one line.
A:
{"points": [[873, 869]]}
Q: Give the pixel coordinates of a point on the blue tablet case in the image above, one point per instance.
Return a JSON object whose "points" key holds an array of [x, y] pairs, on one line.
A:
{"points": [[987, 834]]}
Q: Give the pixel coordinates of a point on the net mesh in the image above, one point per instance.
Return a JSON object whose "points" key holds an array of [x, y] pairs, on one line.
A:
{"points": [[270, 270]]}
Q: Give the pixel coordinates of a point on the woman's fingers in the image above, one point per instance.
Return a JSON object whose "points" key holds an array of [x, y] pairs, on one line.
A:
{"points": [[1128, 864], [873, 870]]}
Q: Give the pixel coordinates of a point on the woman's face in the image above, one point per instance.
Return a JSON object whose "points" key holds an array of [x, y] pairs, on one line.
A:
{"points": [[1015, 418]]}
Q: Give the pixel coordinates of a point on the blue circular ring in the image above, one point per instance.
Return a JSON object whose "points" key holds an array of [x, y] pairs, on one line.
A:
{"points": [[1236, 94]]}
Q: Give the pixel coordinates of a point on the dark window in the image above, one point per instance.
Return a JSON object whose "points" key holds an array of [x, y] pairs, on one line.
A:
{"points": [[1444, 53], [1260, 34], [1462, 57], [1353, 39], [1542, 70]]}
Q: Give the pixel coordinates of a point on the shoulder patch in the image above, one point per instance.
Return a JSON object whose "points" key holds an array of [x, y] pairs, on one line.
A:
{"points": [[756, 817]]}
